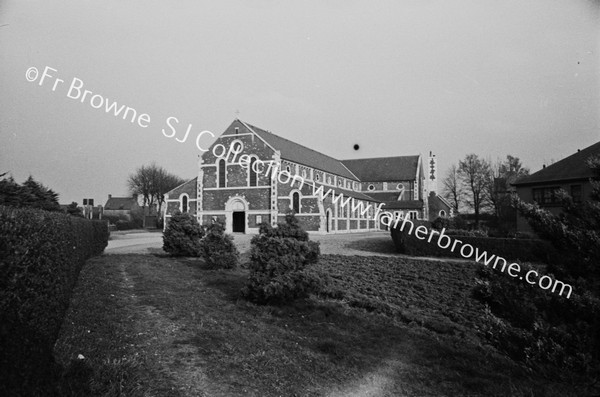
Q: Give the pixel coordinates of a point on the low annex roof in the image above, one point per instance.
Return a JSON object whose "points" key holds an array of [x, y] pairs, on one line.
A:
{"points": [[301, 154], [381, 169], [571, 167]]}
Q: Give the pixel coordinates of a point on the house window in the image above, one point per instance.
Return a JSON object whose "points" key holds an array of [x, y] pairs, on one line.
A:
{"points": [[371, 187], [340, 182], [546, 195], [304, 174], [184, 204], [576, 193], [317, 177], [413, 214], [222, 170], [288, 169], [296, 202], [252, 180], [258, 219], [442, 214], [385, 185]]}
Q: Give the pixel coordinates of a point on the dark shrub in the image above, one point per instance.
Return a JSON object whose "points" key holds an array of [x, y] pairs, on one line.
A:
{"points": [[182, 235], [439, 223], [42, 254], [218, 249], [535, 326], [278, 264], [127, 225]]}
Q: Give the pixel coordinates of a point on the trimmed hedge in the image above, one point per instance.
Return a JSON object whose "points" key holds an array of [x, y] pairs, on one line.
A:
{"points": [[529, 250], [279, 264], [41, 255], [182, 235], [218, 248]]}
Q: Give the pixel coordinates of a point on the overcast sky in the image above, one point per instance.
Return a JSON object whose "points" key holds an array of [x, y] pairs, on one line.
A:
{"points": [[395, 77]]}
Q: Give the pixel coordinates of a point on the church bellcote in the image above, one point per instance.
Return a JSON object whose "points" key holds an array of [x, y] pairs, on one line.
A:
{"points": [[432, 173]]}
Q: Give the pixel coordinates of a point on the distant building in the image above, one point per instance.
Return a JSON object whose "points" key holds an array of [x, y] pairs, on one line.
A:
{"points": [[124, 208], [571, 174], [242, 197]]}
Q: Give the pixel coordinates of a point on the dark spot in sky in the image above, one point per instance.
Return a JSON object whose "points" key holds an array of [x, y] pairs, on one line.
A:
{"points": [[578, 62], [356, 147]]}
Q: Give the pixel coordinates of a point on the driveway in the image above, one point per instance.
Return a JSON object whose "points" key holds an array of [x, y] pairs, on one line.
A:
{"points": [[133, 242]]}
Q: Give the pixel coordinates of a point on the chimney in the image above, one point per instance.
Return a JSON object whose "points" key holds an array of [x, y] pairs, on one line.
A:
{"points": [[110, 196]]}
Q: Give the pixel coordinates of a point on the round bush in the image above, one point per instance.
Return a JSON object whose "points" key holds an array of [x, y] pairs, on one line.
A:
{"points": [[182, 235], [278, 266], [218, 249]]}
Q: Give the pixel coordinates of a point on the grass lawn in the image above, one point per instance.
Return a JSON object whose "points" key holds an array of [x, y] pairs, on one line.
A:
{"points": [[150, 325]]}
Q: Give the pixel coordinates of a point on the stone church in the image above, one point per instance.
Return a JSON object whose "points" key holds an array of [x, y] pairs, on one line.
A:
{"points": [[233, 187]]}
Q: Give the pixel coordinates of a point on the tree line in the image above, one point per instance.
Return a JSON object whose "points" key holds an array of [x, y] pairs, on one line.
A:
{"points": [[482, 185]]}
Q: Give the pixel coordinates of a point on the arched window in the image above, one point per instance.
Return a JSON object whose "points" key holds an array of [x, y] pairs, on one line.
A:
{"points": [[296, 202], [253, 180], [443, 213], [222, 170], [184, 203]]}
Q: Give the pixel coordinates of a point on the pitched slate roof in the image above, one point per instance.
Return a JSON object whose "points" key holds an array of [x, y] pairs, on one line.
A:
{"points": [[386, 196], [302, 155], [348, 193], [383, 169], [120, 203], [403, 205], [569, 168]]}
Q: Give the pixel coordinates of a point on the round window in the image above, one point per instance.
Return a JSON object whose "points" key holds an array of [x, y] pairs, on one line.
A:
{"points": [[371, 187]]}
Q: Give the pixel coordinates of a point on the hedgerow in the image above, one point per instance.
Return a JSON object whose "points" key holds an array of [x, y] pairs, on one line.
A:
{"points": [[42, 254], [532, 250], [279, 258]]}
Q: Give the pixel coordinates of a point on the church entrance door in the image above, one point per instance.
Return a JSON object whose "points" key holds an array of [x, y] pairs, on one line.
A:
{"points": [[239, 222]]}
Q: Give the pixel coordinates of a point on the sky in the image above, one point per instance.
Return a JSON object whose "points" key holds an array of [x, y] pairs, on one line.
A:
{"points": [[393, 77]]}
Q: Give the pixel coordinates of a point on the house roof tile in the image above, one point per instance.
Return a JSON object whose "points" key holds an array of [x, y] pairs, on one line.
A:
{"points": [[569, 168], [120, 203]]}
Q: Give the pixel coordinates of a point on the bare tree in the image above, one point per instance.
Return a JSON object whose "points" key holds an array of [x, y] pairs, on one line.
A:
{"points": [[498, 185], [474, 172], [152, 182], [453, 188], [165, 182]]}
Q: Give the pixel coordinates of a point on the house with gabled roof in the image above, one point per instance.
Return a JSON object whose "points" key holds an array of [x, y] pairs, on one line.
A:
{"points": [[228, 190], [571, 174], [124, 208]]}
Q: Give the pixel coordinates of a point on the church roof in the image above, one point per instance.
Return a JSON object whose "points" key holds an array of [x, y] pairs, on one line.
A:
{"points": [[302, 155], [570, 168], [382, 169]]}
